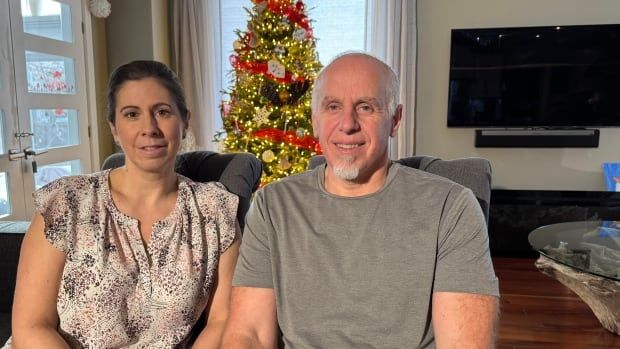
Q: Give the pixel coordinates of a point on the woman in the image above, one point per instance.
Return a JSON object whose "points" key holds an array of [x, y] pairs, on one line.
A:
{"points": [[130, 256]]}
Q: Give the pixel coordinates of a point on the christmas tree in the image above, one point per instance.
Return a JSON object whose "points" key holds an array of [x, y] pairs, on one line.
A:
{"points": [[268, 109]]}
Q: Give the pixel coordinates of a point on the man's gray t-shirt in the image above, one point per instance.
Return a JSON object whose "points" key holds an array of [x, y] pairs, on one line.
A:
{"points": [[359, 272]]}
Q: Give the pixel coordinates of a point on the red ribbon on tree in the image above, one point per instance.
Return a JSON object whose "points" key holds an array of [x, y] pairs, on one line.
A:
{"points": [[293, 13], [289, 137], [262, 68]]}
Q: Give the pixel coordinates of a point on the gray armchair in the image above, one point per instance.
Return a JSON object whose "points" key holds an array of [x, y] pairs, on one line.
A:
{"points": [[473, 173]]}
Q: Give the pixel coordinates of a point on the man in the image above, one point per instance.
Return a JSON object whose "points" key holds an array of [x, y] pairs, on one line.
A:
{"points": [[362, 252]]}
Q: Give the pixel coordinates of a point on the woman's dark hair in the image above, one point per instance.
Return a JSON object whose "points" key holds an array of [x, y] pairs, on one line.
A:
{"points": [[138, 70]]}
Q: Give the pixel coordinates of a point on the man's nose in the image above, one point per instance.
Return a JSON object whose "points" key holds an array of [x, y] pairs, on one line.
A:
{"points": [[348, 121]]}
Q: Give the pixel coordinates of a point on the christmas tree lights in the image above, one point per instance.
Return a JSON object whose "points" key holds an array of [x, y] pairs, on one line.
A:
{"points": [[268, 108]]}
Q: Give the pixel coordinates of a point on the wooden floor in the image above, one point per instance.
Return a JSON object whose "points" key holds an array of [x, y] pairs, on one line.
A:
{"points": [[539, 312]]}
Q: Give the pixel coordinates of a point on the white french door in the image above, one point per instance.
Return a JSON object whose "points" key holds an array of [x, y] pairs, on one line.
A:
{"points": [[43, 99]]}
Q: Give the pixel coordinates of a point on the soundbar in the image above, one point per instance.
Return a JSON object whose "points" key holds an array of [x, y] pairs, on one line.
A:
{"points": [[537, 138]]}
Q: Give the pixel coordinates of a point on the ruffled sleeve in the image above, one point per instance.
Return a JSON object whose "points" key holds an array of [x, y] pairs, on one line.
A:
{"points": [[59, 203], [219, 206]]}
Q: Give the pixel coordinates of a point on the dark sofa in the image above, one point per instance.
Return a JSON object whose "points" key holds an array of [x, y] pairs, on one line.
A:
{"points": [[11, 235]]}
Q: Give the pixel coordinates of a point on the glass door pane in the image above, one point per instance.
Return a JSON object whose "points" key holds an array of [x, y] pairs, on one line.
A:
{"points": [[47, 18], [54, 128], [50, 172], [49, 73], [2, 136], [5, 203]]}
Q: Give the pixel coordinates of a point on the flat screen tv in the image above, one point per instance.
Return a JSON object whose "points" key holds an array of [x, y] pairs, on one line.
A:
{"points": [[547, 77]]}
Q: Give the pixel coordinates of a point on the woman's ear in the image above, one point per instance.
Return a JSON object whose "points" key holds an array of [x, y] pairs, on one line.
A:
{"points": [[114, 132]]}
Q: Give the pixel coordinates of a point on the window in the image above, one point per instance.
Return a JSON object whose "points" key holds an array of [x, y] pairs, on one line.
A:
{"points": [[337, 25]]}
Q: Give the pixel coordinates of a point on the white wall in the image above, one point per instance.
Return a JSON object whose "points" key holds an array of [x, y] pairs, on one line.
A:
{"points": [[533, 168]]}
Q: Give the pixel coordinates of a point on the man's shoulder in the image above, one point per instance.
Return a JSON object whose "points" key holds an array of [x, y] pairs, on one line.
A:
{"points": [[304, 180], [410, 175]]}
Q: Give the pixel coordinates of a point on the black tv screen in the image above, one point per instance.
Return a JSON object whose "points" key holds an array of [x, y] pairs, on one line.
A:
{"points": [[554, 76]]}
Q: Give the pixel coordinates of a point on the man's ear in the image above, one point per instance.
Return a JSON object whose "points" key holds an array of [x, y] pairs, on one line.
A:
{"points": [[396, 119], [315, 127]]}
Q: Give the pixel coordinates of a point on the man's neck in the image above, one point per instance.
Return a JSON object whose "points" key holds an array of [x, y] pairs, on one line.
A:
{"points": [[358, 187]]}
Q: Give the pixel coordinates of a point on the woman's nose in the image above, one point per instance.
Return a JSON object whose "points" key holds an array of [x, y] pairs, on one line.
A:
{"points": [[149, 126]]}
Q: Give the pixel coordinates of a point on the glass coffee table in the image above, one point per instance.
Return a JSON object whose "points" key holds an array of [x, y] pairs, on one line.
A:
{"points": [[585, 257]]}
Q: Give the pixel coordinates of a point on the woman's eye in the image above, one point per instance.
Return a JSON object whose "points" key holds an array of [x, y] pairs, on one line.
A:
{"points": [[131, 114], [163, 112]]}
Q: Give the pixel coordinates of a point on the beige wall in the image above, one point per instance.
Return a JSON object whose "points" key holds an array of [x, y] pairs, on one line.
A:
{"points": [[136, 29], [538, 168], [129, 33], [104, 137]]}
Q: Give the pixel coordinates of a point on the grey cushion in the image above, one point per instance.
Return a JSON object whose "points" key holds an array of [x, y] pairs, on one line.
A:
{"points": [[473, 173], [238, 172]]}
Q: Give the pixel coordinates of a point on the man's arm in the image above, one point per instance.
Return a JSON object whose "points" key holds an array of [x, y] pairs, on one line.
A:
{"points": [[252, 322], [464, 320]]}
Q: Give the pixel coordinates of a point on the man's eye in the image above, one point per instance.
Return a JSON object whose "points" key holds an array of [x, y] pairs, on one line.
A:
{"points": [[364, 108], [332, 107]]}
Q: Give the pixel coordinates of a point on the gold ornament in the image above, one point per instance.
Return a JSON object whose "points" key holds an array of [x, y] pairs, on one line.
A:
{"points": [[268, 156], [284, 95], [237, 45], [294, 50], [300, 132], [284, 164]]}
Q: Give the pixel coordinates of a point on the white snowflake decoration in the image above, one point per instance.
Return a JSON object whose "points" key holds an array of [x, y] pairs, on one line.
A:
{"points": [[262, 116], [100, 8]]}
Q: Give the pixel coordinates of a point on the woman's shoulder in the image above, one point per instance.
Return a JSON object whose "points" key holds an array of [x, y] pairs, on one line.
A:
{"points": [[75, 183], [208, 194], [204, 187]]}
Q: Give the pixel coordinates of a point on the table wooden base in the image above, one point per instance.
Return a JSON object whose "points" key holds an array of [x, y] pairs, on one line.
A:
{"points": [[602, 295]]}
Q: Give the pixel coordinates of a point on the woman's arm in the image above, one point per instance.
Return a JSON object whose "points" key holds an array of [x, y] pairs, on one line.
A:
{"points": [[218, 308], [35, 317]]}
